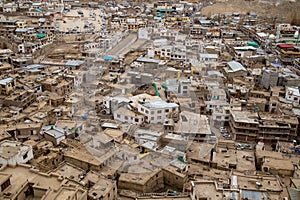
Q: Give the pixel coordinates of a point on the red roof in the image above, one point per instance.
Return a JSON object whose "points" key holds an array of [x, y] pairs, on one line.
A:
{"points": [[285, 46]]}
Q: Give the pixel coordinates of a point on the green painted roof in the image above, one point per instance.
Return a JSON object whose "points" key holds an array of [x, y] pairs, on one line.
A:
{"points": [[254, 44]]}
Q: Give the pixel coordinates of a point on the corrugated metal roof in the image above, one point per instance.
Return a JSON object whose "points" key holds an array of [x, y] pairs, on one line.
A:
{"points": [[294, 193], [149, 60], [74, 62], [6, 81], [236, 66], [159, 104], [208, 55], [252, 195]]}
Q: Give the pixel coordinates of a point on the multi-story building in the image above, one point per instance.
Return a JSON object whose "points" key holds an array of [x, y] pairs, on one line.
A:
{"points": [[251, 126], [244, 125], [292, 94], [287, 53], [21, 99], [297, 65], [125, 115], [142, 182], [156, 111], [134, 24], [7, 85], [14, 153], [269, 78], [235, 69]]}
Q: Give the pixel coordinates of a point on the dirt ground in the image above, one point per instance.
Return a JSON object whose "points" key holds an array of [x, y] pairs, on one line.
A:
{"points": [[284, 10]]}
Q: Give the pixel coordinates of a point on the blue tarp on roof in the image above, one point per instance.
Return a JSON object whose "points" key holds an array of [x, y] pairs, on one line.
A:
{"points": [[84, 117], [40, 35], [39, 10], [276, 65], [108, 57], [165, 10]]}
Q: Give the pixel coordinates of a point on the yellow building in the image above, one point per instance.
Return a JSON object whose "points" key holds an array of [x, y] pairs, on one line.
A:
{"points": [[21, 24], [6, 85]]}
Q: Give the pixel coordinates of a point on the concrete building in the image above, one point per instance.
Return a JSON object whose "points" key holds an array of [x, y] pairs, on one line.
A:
{"points": [[274, 162], [29, 183], [56, 134], [235, 69], [7, 85], [193, 126], [179, 87], [292, 94], [142, 183], [269, 78], [156, 111], [125, 115], [14, 153], [175, 175], [207, 58], [244, 125]]}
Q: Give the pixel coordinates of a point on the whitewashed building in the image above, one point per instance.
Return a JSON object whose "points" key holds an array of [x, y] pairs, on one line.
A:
{"points": [[127, 116], [13, 153], [156, 111], [292, 94]]}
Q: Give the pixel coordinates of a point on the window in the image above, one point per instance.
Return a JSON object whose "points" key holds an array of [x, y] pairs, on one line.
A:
{"points": [[159, 112], [152, 112], [166, 110], [5, 185], [159, 117], [118, 116], [142, 109], [126, 118], [152, 118]]}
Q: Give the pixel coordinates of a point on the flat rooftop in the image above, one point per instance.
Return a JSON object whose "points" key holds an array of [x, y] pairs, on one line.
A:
{"points": [[21, 175], [243, 160], [207, 189], [139, 179], [199, 151], [279, 164], [245, 116], [248, 182], [70, 171], [9, 149], [192, 123]]}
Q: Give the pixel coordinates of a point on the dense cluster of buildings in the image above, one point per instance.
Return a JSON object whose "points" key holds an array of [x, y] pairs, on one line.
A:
{"points": [[147, 100]]}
